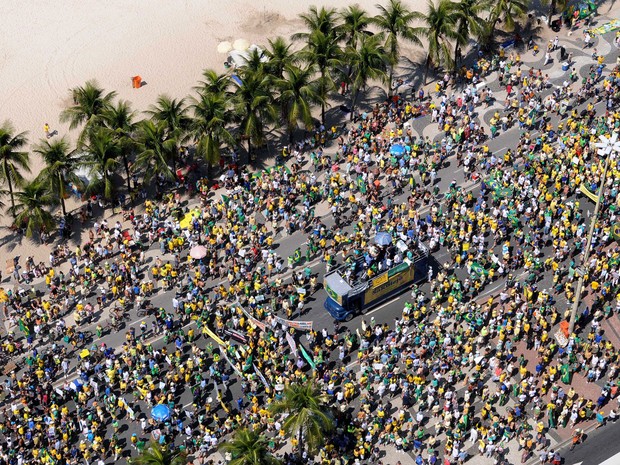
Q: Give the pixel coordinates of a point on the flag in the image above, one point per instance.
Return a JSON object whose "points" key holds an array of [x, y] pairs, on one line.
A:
{"points": [[478, 269], [307, 357], [248, 364], [23, 328]]}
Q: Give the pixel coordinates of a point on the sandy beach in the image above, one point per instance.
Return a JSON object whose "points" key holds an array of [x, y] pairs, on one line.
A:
{"points": [[50, 47]]}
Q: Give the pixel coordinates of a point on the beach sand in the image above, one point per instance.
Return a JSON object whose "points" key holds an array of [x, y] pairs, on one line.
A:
{"points": [[49, 47]]}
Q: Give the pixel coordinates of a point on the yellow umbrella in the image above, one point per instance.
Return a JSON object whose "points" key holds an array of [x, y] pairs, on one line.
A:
{"points": [[241, 45], [224, 47]]}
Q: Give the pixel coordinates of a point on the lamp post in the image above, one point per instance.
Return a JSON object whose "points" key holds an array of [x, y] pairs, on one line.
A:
{"points": [[606, 147]]}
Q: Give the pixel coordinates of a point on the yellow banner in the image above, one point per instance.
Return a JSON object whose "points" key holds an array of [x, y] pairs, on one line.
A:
{"points": [[584, 190], [380, 280], [213, 336]]}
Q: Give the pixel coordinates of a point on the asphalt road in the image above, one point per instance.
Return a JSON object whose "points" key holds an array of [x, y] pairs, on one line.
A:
{"points": [[599, 447]]}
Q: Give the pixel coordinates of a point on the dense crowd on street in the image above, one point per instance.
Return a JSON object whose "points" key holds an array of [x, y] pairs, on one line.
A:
{"points": [[456, 374]]}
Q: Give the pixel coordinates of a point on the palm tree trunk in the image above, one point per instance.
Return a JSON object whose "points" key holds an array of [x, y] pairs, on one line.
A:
{"points": [[492, 31], [126, 164], [249, 149], [301, 445], [552, 8], [291, 130], [174, 161], [8, 179], [428, 64], [353, 102], [62, 195], [323, 96], [390, 77]]}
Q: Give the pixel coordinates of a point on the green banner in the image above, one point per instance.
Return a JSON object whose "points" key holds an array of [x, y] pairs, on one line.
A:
{"points": [[307, 357]]}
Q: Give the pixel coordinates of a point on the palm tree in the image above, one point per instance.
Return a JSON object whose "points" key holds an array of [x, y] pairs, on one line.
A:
{"points": [[256, 61], [280, 56], [468, 22], [61, 163], [394, 20], [30, 210], [209, 127], [173, 113], [439, 27], [308, 417], [89, 102], [214, 83], [101, 160], [120, 119], [355, 22], [323, 20], [253, 104], [554, 7], [249, 447], [298, 93], [156, 454], [323, 50], [156, 152], [12, 159], [506, 11], [368, 62]]}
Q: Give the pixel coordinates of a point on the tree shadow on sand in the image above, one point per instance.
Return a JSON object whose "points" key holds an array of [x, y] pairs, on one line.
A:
{"points": [[13, 237]]}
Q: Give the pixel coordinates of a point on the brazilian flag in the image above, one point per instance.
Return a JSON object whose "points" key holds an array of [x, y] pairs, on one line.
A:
{"points": [[479, 269], [24, 327], [361, 185]]}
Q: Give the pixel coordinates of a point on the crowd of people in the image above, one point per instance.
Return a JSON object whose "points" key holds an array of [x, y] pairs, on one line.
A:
{"points": [[454, 374]]}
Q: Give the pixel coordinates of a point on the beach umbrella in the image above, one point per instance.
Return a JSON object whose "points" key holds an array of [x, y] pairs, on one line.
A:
{"points": [[383, 238], [224, 47], [198, 252], [240, 45], [397, 150], [160, 412]]}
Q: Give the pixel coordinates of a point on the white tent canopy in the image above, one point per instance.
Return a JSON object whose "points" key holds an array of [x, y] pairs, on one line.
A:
{"points": [[241, 57]]}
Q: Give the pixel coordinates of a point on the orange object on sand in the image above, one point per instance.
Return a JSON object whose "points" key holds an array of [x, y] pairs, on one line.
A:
{"points": [[136, 82]]}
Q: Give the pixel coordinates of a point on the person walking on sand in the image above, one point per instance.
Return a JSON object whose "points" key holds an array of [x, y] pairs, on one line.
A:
{"points": [[46, 129]]}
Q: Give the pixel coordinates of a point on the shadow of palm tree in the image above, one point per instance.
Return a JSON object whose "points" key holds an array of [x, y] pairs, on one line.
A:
{"points": [[12, 238], [411, 72]]}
